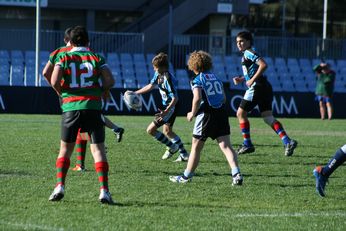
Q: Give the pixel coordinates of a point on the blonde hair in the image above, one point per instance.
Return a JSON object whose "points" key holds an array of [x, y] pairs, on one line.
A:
{"points": [[200, 61]]}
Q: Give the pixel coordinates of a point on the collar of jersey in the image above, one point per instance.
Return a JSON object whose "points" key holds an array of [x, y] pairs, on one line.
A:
{"points": [[79, 49]]}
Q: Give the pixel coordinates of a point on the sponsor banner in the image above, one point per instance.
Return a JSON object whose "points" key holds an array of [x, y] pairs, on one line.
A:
{"points": [[43, 3], [43, 100]]}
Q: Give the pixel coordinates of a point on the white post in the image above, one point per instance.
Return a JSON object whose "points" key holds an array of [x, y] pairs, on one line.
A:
{"points": [[325, 11], [170, 30], [37, 60]]}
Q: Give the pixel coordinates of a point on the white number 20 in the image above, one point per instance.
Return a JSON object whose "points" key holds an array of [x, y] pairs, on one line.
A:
{"points": [[213, 88], [83, 76]]}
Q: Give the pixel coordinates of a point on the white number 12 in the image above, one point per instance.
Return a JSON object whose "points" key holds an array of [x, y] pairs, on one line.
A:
{"points": [[83, 76]]}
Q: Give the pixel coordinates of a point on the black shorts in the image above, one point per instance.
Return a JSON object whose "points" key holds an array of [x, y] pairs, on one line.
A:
{"points": [[90, 121], [213, 123], [169, 119], [261, 94]]}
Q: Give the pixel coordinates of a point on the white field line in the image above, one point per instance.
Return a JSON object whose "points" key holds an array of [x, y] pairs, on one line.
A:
{"points": [[29, 226], [244, 215]]}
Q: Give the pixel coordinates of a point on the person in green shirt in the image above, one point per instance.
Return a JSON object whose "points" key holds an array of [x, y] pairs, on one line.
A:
{"points": [[324, 89]]}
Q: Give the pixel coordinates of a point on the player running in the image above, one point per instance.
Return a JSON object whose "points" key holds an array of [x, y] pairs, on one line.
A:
{"points": [[165, 117], [208, 105], [259, 93]]}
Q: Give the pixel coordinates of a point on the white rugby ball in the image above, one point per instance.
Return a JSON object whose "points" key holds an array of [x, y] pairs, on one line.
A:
{"points": [[133, 100]]}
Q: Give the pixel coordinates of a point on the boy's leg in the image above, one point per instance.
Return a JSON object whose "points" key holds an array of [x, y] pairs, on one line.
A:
{"points": [[231, 156], [192, 163], [159, 136], [289, 144], [168, 130], [244, 124]]}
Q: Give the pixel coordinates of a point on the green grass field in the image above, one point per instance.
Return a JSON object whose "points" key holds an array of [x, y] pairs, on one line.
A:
{"points": [[278, 191]]}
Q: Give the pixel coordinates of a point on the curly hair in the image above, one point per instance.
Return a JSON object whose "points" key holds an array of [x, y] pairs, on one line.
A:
{"points": [[160, 61], [200, 61]]}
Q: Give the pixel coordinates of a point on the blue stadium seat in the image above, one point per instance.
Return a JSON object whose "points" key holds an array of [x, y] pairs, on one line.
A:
{"points": [[300, 86], [4, 74], [269, 61], [29, 79], [4, 54], [43, 82], [17, 75], [287, 86], [276, 86], [129, 82]]}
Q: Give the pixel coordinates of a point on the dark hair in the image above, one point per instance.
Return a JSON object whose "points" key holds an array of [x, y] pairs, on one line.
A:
{"points": [[79, 36], [160, 61], [67, 34], [246, 35]]}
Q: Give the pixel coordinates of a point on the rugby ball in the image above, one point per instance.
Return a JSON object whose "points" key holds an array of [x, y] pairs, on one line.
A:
{"points": [[133, 100]]}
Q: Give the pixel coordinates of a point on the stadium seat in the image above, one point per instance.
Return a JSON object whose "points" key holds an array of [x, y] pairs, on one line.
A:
{"points": [[269, 61], [17, 75], [340, 64], [218, 60], [292, 62], [276, 86], [129, 83], [300, 86], [29, 76], [4, 75], [331, 63], [149, 58], [4, 54], [139, 58], [43, 82], [287, 86]]}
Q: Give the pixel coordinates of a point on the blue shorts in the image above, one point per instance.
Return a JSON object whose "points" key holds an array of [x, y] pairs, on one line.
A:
{"points": [[324, 99]]}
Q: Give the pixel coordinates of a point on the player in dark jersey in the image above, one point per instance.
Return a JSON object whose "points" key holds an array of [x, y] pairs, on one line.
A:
{"points": [[82, 139], [259, 93], [166, 116], [322, 173], [208, 105], [76, 79]]}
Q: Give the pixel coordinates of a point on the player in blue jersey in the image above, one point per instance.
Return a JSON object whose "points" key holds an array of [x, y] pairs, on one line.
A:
{"points": [[208, 105], [167, 85], [322, 173], [259, 93]]}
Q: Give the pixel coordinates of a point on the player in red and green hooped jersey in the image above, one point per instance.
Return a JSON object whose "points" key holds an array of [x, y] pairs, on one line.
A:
{"points": [[82, 139], [76, 78]]}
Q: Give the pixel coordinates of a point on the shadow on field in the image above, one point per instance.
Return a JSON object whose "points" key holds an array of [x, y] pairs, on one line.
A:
{"points": [[7, 173]]}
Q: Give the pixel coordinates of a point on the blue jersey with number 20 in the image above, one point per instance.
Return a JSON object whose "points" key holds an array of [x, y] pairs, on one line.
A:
{"points": [[212, 88]]}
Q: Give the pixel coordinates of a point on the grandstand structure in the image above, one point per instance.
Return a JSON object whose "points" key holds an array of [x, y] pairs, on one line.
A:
{"points": [[134, 70], [129, 33]]}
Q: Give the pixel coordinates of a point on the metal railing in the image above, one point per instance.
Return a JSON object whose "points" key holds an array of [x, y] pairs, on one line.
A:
{"points": [[50, 40], [182, 45], [285, 47]]}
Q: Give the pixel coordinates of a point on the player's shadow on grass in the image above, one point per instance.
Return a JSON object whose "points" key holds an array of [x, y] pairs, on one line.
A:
{"points": [[4, 173]]}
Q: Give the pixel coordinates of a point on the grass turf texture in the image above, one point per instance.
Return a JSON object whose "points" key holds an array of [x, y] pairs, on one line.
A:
{"points": [[278, 191]]}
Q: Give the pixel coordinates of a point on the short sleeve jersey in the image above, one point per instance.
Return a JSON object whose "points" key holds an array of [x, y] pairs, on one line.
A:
{"points": [[168, 87], [81, 79], [249, 64], [212, 90], [54, 56]]}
